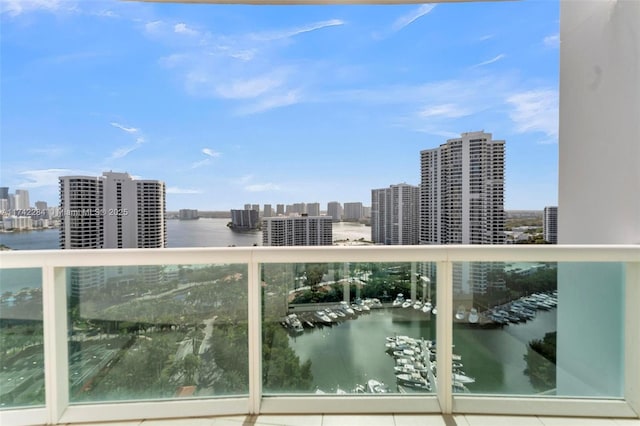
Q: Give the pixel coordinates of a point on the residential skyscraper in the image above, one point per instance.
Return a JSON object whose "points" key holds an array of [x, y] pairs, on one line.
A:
{"points": [[462, 191], [334, 209], [112, 211], [352, 211], [268, 210], [313, 209], [550, 224], [297, 231], [395, 215], [462, 200]]}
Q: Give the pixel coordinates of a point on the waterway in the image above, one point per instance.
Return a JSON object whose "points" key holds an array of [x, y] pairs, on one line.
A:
{"points": [[182, 233], [353, 352]]}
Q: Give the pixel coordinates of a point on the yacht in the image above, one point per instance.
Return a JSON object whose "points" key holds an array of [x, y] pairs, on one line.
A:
{"points": [[461, 313], [375, 386], [426, 308], [399, 300], [407, 303], [473, 316]]}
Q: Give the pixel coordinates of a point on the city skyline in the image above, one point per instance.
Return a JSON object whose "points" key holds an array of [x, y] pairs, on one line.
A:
{"points": [[236, 104]]}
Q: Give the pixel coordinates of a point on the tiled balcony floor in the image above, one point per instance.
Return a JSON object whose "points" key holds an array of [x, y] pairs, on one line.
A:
{"points": [[376, 420]]}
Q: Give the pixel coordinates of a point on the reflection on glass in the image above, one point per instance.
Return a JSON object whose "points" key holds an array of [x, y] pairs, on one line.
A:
{"points": [[348, 328], [21, 338], [153, 332], [505, 327]]}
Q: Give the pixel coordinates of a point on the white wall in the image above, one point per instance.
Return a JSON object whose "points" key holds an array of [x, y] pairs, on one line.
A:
{"points": [[599, 185]]}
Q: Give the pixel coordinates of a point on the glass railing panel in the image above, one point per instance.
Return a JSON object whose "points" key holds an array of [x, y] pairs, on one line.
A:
{"points": [[157, 332], [538, 329], [21, 338], [348, 328]]}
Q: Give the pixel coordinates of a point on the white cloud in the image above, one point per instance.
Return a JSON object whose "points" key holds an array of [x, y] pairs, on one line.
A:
{"points": [[45, 177], [210, 153], [124, 128], [490, 61], [262, 187], [124, 151], [552, 41], [277, 101], [18, 7], [249, 88], [153, 27], [444, 110], [244, 179], [182, 28], [201, 163], [535, 111], [277, 35], [411, 17], [177, 190]]}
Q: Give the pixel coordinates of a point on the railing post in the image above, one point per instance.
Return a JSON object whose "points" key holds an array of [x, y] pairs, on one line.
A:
{"points": [[255, 336], [632, 336], [444, 334], [55, 329]]}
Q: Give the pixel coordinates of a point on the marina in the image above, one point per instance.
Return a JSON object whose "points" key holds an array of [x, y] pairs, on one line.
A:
{"points": [[395, 346]]}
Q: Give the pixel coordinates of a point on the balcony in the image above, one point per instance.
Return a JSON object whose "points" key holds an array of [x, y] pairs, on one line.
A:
{"points": [[98, 323]]}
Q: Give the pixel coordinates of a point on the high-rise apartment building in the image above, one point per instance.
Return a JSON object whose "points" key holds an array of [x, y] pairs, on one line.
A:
{"points": [[334, 209], [279, 209], [352, 211], [395, 215], [462, 191], [297, 231], [462, 200], [112, 211], [550, 224], [313, 209], [244, 220], [268, 210]]}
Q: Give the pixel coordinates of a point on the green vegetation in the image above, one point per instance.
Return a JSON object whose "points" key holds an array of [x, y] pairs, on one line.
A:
{"points": [[541, 362]]}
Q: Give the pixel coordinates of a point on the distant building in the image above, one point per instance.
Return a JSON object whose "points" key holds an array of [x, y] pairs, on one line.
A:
{"points": [[244, 220], [268, 211], [279, 209], [313, 209], [352, 212], [112, 211], [188, 214], [395, 215], [297, 231], [462, 201], [334, 210], [550, 224]]}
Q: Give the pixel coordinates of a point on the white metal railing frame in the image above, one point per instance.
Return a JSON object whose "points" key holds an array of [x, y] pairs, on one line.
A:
{"points": [[58, 410]]}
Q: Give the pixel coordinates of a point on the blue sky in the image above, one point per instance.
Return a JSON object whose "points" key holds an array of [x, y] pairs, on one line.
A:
{"points": [[273, 104]]}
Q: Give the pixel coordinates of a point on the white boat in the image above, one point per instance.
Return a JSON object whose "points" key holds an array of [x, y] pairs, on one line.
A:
{"points": [[473, 316], [344, 306], [399, 300], [407, 303], [426, 308], [434, 310], [294, 323], [460, 377], [417, 305], [328, 312], [461, 312], [322, 317], [375, 386]]}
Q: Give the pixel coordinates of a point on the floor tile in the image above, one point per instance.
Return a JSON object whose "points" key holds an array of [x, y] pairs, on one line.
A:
{"points": [[484, 420], [418, 420], [576, 421], [357, 420], [207, 421], [627, 422], [288, 420]]}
